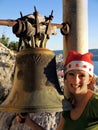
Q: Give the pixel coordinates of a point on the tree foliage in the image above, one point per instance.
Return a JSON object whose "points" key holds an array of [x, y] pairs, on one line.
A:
{"points": [[13, 45], [4, 40]]}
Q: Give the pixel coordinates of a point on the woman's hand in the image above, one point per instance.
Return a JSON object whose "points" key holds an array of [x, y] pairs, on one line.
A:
{"points": [[25, 118], [21, 117]]}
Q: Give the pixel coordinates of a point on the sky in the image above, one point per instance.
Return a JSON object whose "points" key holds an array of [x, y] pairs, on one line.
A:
{"points": [[10, 9]]}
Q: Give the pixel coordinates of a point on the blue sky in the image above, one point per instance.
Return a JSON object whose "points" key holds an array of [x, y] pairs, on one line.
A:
{"points": [[10, 9]]}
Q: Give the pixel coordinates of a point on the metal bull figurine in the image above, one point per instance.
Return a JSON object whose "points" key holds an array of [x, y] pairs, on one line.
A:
{"points": [[35, 87]]}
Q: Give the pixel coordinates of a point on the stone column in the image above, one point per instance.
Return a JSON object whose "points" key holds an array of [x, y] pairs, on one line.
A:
{"points": [[75, 14]]}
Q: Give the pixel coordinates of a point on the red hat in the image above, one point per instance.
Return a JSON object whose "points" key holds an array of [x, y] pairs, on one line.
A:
{"points": [[77, 61]]}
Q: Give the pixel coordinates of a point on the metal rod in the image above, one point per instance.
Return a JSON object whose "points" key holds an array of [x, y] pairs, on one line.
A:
{"points": [[8, 22], [11, 23]]}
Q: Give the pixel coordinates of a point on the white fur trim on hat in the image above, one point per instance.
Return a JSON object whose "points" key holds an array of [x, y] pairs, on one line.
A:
{"points": [[80, 65]]}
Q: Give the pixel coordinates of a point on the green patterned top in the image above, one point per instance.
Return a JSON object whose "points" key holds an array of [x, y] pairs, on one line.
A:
{"points": [[87, 121]]}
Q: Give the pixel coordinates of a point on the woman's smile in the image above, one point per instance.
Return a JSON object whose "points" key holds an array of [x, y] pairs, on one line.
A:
{"points": [[75, 86]]}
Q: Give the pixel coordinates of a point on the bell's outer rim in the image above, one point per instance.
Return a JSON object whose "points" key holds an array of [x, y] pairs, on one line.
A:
{"points": [[34, 109]]}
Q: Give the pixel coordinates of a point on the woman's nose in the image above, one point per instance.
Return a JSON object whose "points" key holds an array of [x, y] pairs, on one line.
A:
{"points": [[77, 79]]}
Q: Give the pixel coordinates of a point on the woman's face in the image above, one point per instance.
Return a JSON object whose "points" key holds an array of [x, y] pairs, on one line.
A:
{"points": [[77, 81]]}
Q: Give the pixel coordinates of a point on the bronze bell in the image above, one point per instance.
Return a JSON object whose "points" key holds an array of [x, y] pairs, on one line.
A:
{"points": [[35, 87]]}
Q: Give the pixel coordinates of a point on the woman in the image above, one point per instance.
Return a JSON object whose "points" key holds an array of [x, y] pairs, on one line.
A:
{"points": [[79, 81]]}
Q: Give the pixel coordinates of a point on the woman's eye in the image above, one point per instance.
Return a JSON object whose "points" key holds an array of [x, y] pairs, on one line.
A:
{"points": [[71, 74], [82, 75]]}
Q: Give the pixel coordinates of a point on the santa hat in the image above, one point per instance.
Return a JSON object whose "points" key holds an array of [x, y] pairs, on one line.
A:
{"points": [[77, 61]]}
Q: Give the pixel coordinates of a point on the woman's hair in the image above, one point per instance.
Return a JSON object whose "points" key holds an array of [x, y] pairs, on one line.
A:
{"points": [[92, 82]]}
